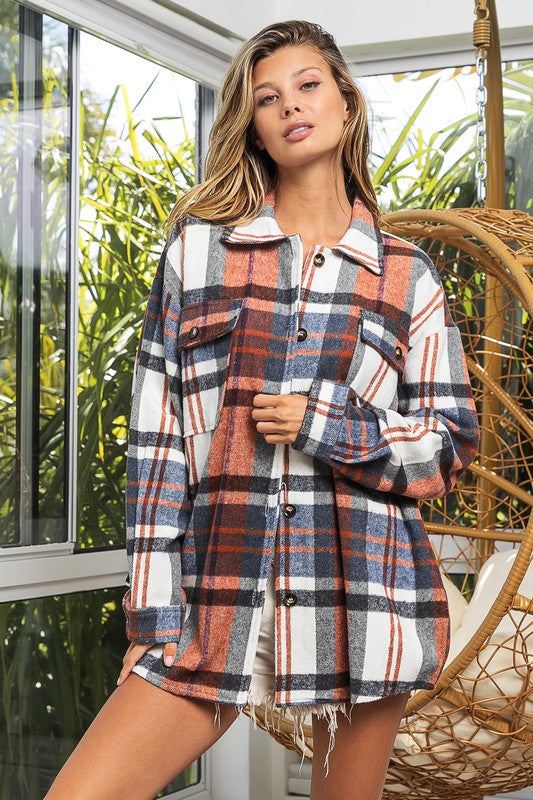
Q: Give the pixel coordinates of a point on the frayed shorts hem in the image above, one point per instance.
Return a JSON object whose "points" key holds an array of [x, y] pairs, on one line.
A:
{"points": [[297, 713]]}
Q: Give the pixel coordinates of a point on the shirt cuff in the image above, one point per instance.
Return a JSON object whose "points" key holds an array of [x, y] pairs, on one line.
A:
{"points": [[326, 409], [152, 624]]}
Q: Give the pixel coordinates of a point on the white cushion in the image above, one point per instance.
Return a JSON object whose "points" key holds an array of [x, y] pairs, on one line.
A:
{"points": [[452, 747], [457, 603], [501, 670], [496, 676]]}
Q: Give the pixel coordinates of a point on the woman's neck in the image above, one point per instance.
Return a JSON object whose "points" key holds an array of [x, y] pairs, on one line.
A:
{"points": [[320, 214]]}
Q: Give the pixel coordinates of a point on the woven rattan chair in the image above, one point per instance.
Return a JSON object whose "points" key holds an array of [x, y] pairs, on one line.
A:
{"points": [[472, 735]]}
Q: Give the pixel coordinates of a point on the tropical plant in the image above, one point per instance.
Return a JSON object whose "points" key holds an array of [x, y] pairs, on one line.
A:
{"points": [[126, 197], [413, 171]]}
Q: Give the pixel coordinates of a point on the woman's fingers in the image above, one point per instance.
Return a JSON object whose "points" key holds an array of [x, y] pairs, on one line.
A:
{"points": [[135, 651], [133, 654], [169, 653]]}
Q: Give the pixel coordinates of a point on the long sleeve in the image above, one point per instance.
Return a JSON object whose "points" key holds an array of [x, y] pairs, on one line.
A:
{"points": [[421, 449], [157, 505]]}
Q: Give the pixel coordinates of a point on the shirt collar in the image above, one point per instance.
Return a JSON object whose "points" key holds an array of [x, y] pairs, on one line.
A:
{"points": [[362, 241]]}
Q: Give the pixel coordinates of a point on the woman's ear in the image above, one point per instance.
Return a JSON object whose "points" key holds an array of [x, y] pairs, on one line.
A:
{"points": [[256, 139], [347, 112]]}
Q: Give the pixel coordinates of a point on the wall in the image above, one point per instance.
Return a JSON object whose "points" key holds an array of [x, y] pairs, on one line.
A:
{"points": [[359, 31]]}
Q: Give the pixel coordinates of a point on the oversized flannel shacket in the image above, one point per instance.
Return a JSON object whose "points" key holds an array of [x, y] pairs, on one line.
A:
{"points": [[364, 330]]}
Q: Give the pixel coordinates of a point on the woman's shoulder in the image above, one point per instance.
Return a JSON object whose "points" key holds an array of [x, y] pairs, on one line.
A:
{"points": [[190, 223], [421, 262]]}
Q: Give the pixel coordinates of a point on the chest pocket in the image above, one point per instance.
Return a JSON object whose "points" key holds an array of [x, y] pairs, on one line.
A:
{"points": [[378, 360], [204, 345]]}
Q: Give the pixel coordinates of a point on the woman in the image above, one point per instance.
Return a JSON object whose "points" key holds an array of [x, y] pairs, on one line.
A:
{"points": [[299, 386]]}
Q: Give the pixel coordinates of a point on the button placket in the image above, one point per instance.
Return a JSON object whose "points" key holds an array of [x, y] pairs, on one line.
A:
{"points": [[289, 510]]}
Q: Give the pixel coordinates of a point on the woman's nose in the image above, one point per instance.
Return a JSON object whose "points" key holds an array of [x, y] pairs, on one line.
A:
{"points": [[290, 107]]}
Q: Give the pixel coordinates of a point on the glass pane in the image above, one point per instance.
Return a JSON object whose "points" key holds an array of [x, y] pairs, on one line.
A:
{"points": [[137, 157], [34, 108], [424, 132], [60, 660], [518, 115]]}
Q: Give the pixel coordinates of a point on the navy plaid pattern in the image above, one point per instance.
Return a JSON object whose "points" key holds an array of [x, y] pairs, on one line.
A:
{"points": [[361, 611]]}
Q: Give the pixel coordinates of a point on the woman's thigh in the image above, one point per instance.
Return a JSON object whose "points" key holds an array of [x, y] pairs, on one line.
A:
{"points": [[360, 756], [141, 739]]}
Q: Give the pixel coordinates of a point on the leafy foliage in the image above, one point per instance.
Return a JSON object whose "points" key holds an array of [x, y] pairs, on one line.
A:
{"points": [[126, 198]]}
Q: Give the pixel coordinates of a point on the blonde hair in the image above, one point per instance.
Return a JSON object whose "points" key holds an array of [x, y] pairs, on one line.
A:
{"points": [[238, 175]]}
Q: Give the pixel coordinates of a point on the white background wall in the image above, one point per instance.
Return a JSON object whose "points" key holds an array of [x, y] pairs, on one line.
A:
{"points": [[358, 29]]}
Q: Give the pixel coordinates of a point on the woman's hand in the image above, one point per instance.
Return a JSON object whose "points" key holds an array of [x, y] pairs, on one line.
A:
{"points": [[279, 416], [135, 651]]}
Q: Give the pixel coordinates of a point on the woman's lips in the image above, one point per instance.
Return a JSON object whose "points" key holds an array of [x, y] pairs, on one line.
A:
{"points": [[297, 134]]}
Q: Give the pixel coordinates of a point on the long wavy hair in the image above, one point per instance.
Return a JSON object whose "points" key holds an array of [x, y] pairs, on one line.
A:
{"points": [[238, 175]]}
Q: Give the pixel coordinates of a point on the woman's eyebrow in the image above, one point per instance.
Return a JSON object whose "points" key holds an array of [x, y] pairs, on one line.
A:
{"points": [[293, 75]]}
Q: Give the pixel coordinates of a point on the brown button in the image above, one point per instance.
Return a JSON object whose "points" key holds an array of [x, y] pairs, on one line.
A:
{"points": [[289, 510], [193, 333], [398, 352], [290, 599], [319, 259], [302, 334]]}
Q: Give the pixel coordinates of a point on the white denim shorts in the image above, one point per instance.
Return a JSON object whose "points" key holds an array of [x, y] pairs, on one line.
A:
{"points": [[262, 690]]}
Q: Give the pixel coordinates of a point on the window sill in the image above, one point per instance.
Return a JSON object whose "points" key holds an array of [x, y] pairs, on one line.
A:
{"points": [[44, 571]]}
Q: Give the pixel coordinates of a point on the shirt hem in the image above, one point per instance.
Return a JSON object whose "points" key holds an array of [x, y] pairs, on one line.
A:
{"points": [[185, 690]]}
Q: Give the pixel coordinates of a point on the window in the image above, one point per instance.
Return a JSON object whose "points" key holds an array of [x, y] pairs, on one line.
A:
{"points": [[423, 156], [34, 261], [61, 657], [90, 169], [424, 128], [138, 136]]}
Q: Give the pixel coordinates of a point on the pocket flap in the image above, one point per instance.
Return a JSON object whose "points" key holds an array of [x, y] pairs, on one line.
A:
{"points": [[207, 320], [379, 332]]}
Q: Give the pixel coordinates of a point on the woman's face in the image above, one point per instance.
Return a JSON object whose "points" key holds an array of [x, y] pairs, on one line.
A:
{"points": [[301, 91]]}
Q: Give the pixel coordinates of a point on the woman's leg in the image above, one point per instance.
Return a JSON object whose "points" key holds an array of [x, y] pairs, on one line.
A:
{"points": [[141, 739], [360, 756]]}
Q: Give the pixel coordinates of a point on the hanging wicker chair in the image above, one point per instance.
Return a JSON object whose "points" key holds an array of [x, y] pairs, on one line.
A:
{"points": [[472, 735]]}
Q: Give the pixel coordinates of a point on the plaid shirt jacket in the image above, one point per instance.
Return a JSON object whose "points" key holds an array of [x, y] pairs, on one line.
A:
{"points": [[364, 330]]}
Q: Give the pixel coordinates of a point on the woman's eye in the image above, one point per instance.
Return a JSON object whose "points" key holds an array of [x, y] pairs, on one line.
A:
{"points": [[263, 100]]}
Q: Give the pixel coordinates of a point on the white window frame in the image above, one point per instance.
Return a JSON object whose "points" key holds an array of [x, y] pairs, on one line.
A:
{"points": [[414, 62], [51, 571], [174, 40]]}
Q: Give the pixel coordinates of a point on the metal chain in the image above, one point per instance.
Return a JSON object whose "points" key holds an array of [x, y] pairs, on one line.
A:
{"points": [[481, 39], [481, 130]]}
